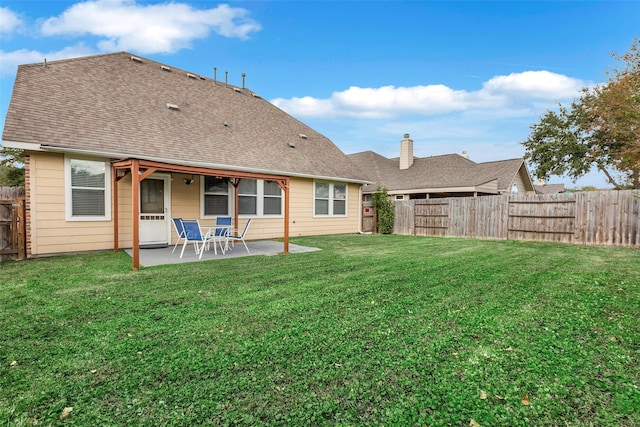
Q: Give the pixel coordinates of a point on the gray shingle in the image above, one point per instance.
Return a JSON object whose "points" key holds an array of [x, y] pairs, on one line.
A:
{"points": [[112, 103], [445, 171]]}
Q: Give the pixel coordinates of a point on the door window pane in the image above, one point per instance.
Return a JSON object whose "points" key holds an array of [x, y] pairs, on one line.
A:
{"points": [[152, 196]]}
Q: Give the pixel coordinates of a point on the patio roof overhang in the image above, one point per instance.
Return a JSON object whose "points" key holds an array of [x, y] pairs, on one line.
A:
{"points": [[142, 169]]}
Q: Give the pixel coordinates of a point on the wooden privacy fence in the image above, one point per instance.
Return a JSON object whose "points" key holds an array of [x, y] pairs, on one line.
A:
{"points": [[593, 218], [12, 223]]}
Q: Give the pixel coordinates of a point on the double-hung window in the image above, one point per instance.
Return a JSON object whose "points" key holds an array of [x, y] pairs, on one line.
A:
{"points": [[216, 196], [248, 197], [272, 198], [259, 198], [330, 199], [87, 190]]}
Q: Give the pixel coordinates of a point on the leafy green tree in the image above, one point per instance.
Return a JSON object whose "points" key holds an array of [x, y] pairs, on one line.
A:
{"points": [[385, 210], [11, 167], [601, 129]]}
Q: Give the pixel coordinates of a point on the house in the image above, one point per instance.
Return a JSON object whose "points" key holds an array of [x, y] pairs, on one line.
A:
{"points": [[116, 145], [449, 175], [543, 188]]}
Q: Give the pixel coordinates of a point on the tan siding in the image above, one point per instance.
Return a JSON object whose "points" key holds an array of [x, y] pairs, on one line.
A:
{"points": [[186, 204], [185, 200], [523, 181], [488, 187], [125, 225], [303, 223], [51, 233]]}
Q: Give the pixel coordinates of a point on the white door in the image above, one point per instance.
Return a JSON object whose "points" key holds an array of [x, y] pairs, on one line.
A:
{"points": [[155, 217]]}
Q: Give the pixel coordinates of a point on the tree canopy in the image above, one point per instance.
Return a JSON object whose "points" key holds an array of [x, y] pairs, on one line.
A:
{"points": [[601, 128], [11, 167]]}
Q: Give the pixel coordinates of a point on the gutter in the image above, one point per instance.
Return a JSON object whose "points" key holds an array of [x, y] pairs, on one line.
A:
{"points": [[121, 156]]}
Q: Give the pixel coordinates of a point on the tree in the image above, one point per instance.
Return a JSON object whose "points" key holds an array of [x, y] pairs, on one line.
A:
{"points": [[601, 129], [385, 210], [11, 167]]}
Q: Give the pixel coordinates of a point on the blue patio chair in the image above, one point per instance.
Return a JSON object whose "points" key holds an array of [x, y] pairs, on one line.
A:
{"points": [[193, 234], [177, 225], [233, 238], [221, 233]]}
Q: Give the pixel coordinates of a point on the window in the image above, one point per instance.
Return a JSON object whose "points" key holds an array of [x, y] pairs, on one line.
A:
{"points": [[257, 197], [272, 202], [330, 199], [248, 197], [87, 190], [216, 196]]}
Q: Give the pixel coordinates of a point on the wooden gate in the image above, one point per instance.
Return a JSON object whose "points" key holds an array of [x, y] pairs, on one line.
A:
{"points": [[12, 223], [12, 229], [368, 218]]}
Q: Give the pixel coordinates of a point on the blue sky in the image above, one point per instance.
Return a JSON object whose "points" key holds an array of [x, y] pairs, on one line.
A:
{"points": [[458, 76]]}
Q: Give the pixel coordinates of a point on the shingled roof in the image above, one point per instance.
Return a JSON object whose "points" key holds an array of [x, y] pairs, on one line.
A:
{"points": [[124, 106], [447, 171]]}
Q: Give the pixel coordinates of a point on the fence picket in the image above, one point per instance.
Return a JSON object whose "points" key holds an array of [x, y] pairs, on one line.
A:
{"points": [[593, 218]]}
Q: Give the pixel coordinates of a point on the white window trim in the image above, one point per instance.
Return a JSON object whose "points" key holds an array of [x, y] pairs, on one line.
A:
{"points": [[259, 203], [68, 194], [230, 190], [331, 200]]}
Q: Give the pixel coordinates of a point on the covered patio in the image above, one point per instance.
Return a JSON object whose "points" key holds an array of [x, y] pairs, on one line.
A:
{"points": [[141, 169]]}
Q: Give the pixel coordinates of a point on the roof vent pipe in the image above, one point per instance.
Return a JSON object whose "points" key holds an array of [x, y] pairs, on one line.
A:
{"points": [[226, 78], [243, 76], [215, 73]]}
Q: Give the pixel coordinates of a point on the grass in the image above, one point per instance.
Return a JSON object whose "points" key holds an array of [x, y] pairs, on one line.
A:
{"points": [[372, 330]]}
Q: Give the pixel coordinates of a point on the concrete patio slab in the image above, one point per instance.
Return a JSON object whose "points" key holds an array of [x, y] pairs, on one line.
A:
{"points": [[160, 256]]}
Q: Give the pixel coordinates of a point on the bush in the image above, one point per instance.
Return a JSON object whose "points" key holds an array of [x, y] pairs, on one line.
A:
{"points": [[385, 211]]}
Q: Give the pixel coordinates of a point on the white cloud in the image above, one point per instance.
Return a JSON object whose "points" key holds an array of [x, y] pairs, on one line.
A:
{"points": [[156, 28], [518, 92], [535, 84], [9, 21], [9, 61]]}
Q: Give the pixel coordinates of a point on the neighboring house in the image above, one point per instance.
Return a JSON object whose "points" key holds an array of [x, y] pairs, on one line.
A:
{"points": [[449, 175], [543, 188], [116, 145]]}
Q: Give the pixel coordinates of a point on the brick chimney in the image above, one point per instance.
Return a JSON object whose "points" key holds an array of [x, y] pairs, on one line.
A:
{"points": [[406, 152]]}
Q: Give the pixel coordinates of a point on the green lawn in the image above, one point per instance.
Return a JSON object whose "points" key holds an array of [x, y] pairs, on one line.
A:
{"points": [[372, 330]]}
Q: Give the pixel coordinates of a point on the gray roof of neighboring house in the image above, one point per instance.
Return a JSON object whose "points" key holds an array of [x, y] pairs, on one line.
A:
{"points": [[549, 188], [445, 171], [119, 105]]}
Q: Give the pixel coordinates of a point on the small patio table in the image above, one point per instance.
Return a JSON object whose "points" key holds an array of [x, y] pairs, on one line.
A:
{"points": [[218, 233]]}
